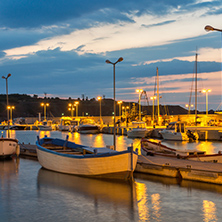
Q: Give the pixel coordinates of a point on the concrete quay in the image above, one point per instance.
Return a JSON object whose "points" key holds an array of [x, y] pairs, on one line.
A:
{"points": [[179, 168]]}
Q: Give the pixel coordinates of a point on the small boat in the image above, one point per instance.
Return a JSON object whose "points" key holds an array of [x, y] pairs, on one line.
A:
{"points": [[177, 131], [45, 126], [88, 129], [138, 130], [8, 147], [68, 157], [154, 147]]}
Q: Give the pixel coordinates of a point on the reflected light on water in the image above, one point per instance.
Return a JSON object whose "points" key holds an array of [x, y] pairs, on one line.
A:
{"points": [[44, 133], [98, 141], [156, 206], [75, 137], [209, 211], [206, 146], [141, 196], [121, 143]]}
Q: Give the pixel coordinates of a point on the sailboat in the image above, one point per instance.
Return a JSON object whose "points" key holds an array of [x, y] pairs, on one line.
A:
{"points": [[8, 146]]}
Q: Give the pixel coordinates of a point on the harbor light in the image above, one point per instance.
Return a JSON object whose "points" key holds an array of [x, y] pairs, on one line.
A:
{"points": [[206, 91], [71, 108], [153, 98], [120, 103], [44, 105], [114, 98], [76, 105], [10, 108], [99, 98], [140, 91]]}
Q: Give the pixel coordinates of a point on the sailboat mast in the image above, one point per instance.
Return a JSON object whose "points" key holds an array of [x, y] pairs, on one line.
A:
{"points": [[196, 89], [158, 97]]}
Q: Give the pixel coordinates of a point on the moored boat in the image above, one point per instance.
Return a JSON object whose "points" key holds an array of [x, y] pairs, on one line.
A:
{"points": [[67, 157], [154, 147], [138, 130], [8, 147], [178, 132]]}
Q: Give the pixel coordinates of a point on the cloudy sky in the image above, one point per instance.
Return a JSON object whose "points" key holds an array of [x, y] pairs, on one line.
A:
{"points": [[60, 48]]}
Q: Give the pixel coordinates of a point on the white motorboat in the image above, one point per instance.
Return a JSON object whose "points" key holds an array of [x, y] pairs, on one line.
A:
{"points": [[177, 131], [138, 130]]}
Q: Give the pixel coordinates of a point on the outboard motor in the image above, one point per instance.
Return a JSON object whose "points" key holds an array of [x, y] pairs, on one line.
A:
{"points": [[192, 137]]}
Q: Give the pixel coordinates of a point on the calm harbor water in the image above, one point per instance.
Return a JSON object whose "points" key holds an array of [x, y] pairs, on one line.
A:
{"points": [[31, 193]]}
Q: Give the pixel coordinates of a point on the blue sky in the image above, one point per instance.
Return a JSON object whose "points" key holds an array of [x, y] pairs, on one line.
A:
{"points": [[60, 48]]}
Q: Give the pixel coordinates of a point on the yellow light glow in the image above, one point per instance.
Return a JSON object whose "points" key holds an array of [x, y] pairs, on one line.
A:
{"points": [[120, 102], [209, 211], [139, 90], [153, 97], [99, 97]]}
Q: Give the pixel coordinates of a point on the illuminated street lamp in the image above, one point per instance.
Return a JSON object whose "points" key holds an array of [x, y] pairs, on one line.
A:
{"points": [[100, 108], [140, 93], [76, 105], [10, 108], [153, 98], [114, 98], [206, 91], [71, 109], [44, 105], [124, 112], [188, 106], [120, 102], [6, 78]]}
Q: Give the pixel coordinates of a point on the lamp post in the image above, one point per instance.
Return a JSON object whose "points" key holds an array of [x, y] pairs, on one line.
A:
{"points": [[120, 102], [209, 28], [71, 109], [100, 108], [114, 98], [6, 78], [124, 111], [76, 104], [206, 91], [10, 108], [153, 98], [44, 105], [140, 92], [188, 106]]}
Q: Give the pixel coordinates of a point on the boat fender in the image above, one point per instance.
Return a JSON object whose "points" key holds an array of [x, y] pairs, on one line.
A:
{"points": [[219, 152], [178, 156], [95, 151]]}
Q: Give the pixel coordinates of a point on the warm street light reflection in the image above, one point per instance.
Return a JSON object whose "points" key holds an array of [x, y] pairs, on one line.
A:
{"points": [[209, 211], [141, 196], [44, 133], [156, 205]]}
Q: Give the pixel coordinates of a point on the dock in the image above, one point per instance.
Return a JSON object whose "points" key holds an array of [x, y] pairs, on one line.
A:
{"points": [[180, 168], [163, 166]]}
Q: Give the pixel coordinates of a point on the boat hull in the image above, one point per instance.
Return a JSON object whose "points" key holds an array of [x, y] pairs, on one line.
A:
{"points": [[137, 133], [7, 147], [177, 136], [109, 165]]}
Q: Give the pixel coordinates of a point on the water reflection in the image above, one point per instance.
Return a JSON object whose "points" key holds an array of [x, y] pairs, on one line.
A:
{"points": [[209, 211], [97, 192], [142, 201]]}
